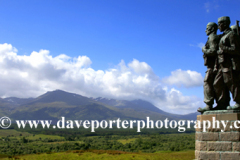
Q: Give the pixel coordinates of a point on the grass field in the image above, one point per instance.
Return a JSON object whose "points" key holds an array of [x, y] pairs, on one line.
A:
{"points": [[61, 145], [124, 141], [18, 135], [12, 132], [108, 155], [42, 136]]}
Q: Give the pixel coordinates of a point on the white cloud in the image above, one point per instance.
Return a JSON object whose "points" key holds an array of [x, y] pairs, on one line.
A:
{"points": [[209, 6], [184, 78], [199, 45], [33, 75], [140, 67], [178, 103]]}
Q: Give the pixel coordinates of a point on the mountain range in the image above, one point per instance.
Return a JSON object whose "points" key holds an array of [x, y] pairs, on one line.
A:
{"points": [[55, 104]]}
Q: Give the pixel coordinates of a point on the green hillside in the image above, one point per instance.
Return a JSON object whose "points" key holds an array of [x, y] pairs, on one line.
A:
{"points": [[56, 104], [108, 155]]}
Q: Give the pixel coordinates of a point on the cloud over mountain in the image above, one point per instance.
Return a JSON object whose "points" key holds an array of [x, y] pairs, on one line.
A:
{"points": [[184, 78], [39, 72]]}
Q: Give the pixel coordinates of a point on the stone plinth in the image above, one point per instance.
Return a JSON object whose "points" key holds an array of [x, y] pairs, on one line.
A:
{"points": [[221, 140]]}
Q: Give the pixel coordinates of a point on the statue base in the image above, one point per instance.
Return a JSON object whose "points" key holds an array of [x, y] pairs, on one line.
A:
{"points": [[221, 140]]}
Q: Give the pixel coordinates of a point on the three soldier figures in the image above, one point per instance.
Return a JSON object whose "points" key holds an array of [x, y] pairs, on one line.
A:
{"points": [[222, 58]]}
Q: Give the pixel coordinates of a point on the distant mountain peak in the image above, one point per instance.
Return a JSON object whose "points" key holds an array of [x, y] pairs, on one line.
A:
{"points": [[62, 96], [59, 102], [57, 91]]}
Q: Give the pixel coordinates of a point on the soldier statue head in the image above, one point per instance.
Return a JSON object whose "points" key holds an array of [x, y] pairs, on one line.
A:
{"points": [[234, 28], [223, 23], [211, 28]]}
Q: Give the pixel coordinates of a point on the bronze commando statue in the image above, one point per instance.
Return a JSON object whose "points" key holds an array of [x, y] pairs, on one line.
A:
{"points": [[222, 58]]}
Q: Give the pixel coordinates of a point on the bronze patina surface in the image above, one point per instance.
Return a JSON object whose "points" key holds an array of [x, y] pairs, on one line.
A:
{"points": [[222, 59]]}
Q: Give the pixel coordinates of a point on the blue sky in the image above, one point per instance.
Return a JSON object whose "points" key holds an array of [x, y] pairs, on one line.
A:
{"points": [[165, 35]]}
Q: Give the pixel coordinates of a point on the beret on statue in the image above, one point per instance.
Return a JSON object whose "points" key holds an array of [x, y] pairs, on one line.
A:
{"points": [[224, 18]]}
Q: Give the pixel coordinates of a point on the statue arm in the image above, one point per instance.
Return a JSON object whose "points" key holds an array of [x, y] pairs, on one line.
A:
{"points": [[212, 51], [233, 47]]}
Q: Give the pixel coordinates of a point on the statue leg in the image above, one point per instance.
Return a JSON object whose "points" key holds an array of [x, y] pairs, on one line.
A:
{"points": [[221, 91], [232, 81], [236, 87], [209, 94], [208, 91]]}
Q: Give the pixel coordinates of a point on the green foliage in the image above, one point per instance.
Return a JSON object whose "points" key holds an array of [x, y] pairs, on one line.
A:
{"points": [[12, 132], [66, 140], [108, 155]]}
